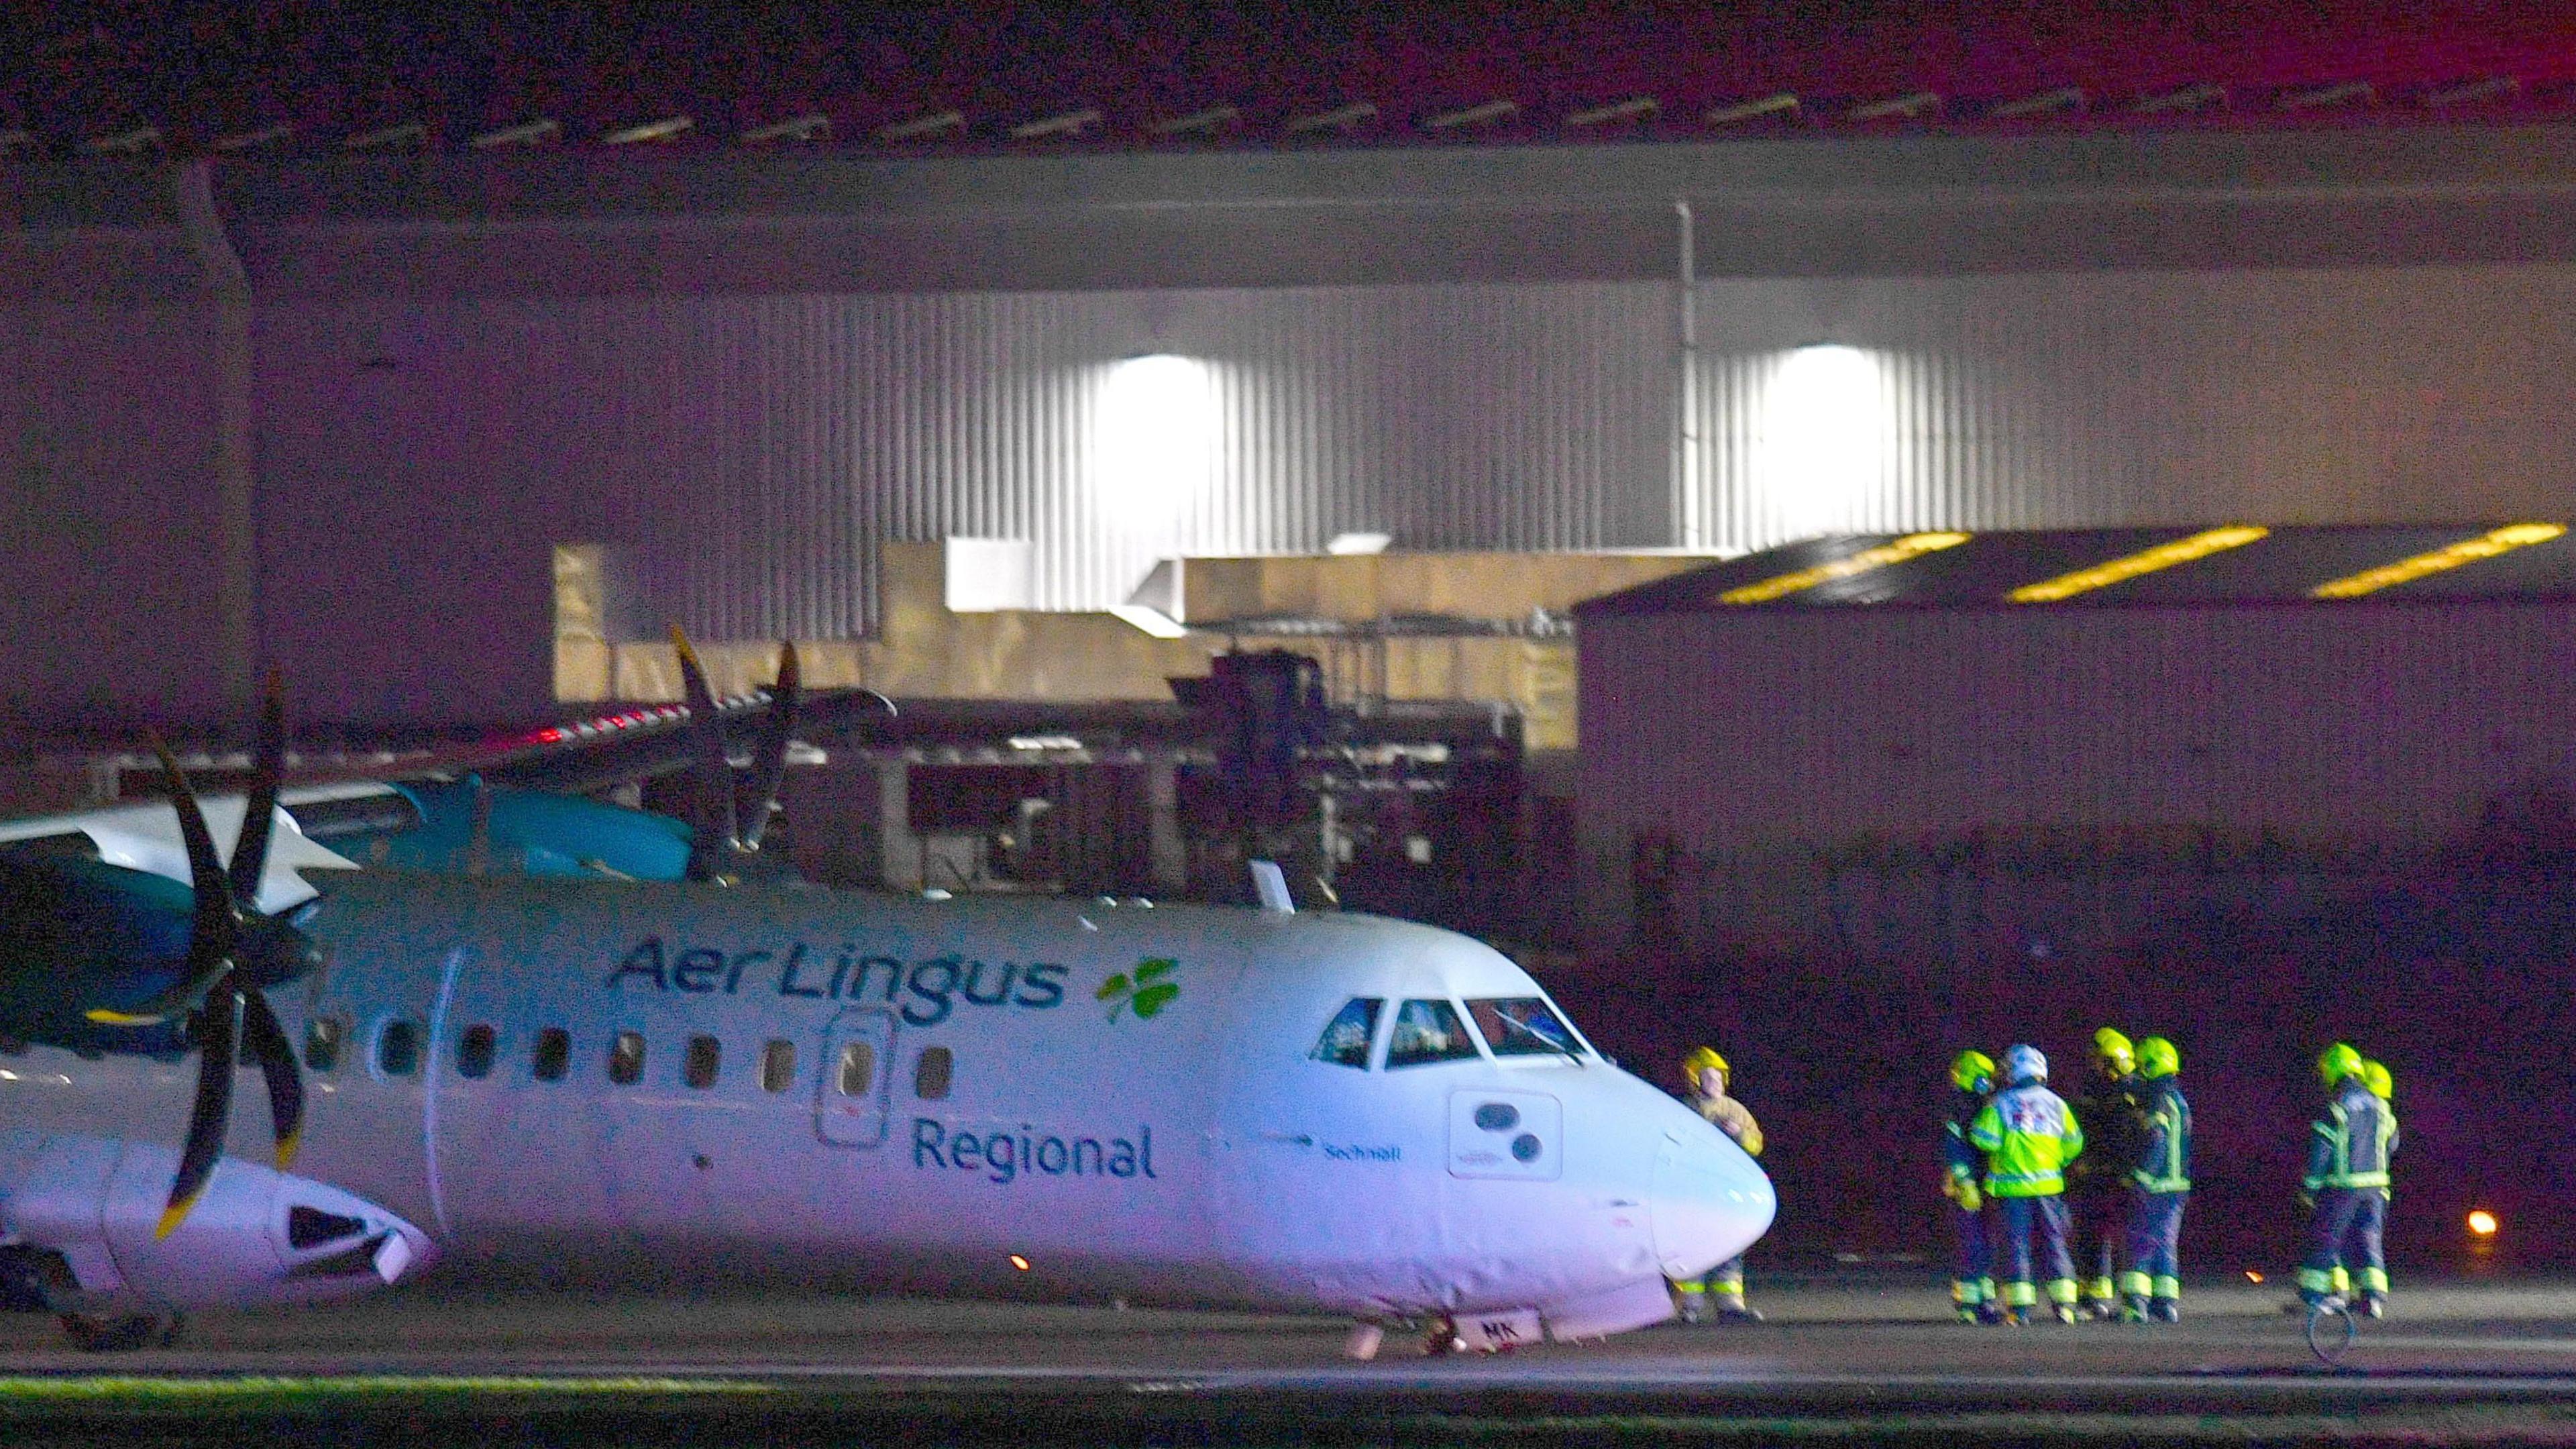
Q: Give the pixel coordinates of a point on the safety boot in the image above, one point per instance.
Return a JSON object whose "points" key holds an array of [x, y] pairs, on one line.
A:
{"points": [[2066, 1313], [2134, 1310], [2373, 1305], [2165, 1310]]}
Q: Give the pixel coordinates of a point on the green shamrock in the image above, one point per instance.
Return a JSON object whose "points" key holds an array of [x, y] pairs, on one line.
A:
{"points": [[1147, 992]]}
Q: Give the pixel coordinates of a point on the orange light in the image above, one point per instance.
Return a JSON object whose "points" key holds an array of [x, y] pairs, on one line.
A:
{"points": [[1019, 1262], [2253, 1277], [2483, 1223]]}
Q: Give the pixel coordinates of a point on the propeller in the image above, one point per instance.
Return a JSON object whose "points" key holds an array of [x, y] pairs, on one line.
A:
{"points": [[732, 824], [233, 952]]}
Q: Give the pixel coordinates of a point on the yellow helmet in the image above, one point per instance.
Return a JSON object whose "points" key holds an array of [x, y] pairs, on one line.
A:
{"points": [[1700, 1060], [2376, 1078], [1972, 1071], [2112, 1049], [2338, 1062], [2157, 1058]]}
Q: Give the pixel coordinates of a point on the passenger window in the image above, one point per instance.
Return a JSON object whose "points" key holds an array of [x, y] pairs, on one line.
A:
{"points": [[1346, 1038], [858, 1069], [778, 1066], [699, 1070], [322, 1038], [553, 1056], [1522, 1026], [474, 1052], [930, 1074], [398, 1048], [1427, 1032], [626, 1059]]}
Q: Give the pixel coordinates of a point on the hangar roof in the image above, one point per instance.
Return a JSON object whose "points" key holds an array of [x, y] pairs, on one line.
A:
{"points": [[145, 76], [2114, 567]]}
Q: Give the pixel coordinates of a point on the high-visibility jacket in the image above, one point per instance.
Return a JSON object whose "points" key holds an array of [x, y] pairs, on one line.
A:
{"points": [[2350, 1145], [2028, 1134], [2164, 1160]]}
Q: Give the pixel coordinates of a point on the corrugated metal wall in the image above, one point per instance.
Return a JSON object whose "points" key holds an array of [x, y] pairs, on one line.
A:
{"points": [[2109, 398], [1764, 743], [746, 452], [419, 455], [107, 509]]}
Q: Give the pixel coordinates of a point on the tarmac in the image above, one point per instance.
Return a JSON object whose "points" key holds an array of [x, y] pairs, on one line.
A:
{"points": [[1873, 1357]]}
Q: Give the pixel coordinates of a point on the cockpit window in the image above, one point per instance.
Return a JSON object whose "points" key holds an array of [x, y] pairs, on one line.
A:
{"points": [[1346, 1038], [1427, 1032], [1522, 1026]]}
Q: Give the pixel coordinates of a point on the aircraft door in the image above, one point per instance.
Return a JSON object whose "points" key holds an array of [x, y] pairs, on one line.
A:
{"points": [[851, 1090]]}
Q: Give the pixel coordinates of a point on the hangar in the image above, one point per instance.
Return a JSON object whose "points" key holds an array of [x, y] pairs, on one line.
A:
{"points": [[332, 379], [1945, 745]]}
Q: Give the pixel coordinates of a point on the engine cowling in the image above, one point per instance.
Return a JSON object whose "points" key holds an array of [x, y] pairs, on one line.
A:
{"points": [[77, 1216]]}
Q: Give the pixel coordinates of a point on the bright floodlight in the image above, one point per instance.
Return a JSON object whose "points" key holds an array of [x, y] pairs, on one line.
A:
{"points": [[2482, 1223], [1359, 543], [1824, 424], [1157, 435]]}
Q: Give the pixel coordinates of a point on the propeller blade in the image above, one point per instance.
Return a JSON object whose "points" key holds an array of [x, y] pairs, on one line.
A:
{"points": [[265, 1043], [216, 927], [268, 767], [769, 762], [214, 1105], [714, 834]]}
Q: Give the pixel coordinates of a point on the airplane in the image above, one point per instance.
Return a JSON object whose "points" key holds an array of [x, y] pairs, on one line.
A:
{"points": [[589, 1077]]}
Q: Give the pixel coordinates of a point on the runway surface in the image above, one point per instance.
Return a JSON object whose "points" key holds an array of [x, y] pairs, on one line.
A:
{"points": [[1872, 1355]]}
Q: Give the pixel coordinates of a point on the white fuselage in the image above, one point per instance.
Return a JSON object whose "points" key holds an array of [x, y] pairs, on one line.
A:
{"points": [[893, 1092]]}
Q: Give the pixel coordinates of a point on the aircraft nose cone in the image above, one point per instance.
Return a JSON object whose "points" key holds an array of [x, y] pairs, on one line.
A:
{"points": [[1709, 1202]]}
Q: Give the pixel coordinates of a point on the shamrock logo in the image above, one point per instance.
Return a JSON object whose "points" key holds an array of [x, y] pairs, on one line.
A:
{"points": [[1147, 993]]}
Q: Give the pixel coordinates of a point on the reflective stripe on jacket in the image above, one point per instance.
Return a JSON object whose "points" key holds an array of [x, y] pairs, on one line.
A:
{"points": [[2028, 1134], [2164, 1162], [2350, 1145]]}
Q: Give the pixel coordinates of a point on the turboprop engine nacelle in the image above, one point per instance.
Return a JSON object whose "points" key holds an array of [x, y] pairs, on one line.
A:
{"points": [[77, 1216]]}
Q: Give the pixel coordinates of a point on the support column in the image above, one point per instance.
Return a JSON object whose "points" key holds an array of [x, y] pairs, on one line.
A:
{"points": [[1690, 501], [1170, 854], [898, 854], [236, 540]]}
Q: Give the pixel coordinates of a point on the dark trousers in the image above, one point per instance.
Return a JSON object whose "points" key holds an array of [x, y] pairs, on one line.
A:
{"points": [[1974, 1281], [2023, 1219], [2155, 1245], [2344, 1232], [2102, 1230]]}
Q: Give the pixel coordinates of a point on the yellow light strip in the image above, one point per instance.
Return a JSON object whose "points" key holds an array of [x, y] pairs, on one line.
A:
{"points": [[2467, 550], [1912, 545], [2162, 556]]}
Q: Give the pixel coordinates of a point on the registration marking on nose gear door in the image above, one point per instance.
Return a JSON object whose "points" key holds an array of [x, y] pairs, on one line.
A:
{"points": [[1518, 1135]]}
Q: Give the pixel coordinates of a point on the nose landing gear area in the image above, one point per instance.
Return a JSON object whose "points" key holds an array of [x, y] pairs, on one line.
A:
{"points": [[1876, 1354]]}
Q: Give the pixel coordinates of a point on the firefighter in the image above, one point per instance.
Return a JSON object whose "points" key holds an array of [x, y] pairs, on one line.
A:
{"points": [[2029, 1134], [2346, 1188], [1972, 1286], [2162, 1183], [1705, 1072], [2097, 1187]]}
